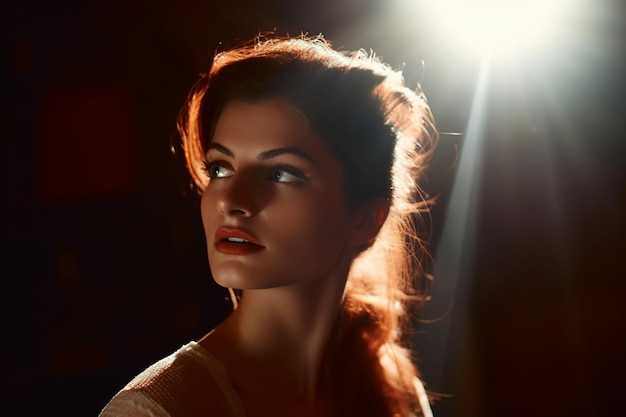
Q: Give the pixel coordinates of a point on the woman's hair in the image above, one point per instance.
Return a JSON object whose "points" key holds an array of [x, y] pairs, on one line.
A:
{"points": [[382, 133]]}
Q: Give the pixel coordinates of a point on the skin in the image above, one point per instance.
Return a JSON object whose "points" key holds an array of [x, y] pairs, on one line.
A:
{"points": [[291, 201], [273, 178]]}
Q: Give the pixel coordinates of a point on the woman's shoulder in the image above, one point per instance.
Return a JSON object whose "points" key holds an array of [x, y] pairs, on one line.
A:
{"points": [[188, 382]]}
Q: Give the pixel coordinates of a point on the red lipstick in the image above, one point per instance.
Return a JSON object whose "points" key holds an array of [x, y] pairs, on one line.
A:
{"points": [[231, 241]]}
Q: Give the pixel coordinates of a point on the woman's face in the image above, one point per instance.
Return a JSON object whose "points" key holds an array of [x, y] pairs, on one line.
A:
{"points": [[274, 212]]}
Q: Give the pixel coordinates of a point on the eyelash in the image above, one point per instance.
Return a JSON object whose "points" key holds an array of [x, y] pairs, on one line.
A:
{"points": [[293, 171], [208, 164]]}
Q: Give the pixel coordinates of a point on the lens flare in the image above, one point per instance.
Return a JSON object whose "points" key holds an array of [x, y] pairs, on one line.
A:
{"points": [[498, 27]]}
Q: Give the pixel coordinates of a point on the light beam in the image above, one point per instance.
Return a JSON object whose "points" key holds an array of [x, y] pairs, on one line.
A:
{"points": [[454, 251]]}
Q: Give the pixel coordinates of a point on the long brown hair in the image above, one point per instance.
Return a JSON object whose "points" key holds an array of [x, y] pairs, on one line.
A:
{"points": [[383, 133]]}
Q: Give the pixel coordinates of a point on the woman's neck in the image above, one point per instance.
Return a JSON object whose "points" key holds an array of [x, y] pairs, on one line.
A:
{"points": [[282, 331]]}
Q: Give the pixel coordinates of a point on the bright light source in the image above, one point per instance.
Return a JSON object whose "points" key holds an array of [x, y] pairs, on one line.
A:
{"points": [[498, 27]]}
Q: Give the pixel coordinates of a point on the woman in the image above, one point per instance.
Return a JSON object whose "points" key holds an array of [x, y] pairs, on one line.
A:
{"points": [[307, 161]]}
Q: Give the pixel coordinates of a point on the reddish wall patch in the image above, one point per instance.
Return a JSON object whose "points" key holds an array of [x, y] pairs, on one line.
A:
{"points": [[87, 143]]}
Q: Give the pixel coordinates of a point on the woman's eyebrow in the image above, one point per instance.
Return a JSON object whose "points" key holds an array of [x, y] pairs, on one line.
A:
{"points": [[281, 151], [221, 148], [267, 154]]}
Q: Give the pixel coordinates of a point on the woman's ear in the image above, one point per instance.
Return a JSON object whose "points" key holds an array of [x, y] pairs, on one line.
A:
{"points": [[368, 219]]}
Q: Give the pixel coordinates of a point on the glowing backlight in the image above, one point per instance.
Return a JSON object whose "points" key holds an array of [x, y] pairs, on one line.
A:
{"points": [[498, 26]]}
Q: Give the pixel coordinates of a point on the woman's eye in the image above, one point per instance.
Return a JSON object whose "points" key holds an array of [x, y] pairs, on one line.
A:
{"points": [[215, 170], [286, 175]]}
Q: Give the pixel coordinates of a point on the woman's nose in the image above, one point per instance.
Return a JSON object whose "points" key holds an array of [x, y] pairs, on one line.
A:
{"points": [[238, 197]]}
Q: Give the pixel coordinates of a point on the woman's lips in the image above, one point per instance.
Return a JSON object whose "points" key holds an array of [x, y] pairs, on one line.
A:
{"points": [[231, 241]]}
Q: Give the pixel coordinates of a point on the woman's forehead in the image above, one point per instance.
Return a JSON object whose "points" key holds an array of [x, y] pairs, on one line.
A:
{"points": [[266, 122], [267, 129]]}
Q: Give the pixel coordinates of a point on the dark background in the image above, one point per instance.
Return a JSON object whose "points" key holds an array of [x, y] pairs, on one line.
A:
{"points": [[103, 259]]}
